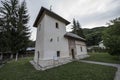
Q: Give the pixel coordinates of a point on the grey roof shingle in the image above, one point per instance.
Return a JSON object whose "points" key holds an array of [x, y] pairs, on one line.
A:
{"points": [[74, 36]]}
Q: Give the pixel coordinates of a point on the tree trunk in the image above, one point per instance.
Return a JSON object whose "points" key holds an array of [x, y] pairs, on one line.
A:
{"points": [[16, 57], [1, 56], [11, 56]]}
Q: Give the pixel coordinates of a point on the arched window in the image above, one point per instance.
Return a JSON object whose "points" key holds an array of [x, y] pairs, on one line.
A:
{"points": [[57, 25], [58, 53], [51, 40], [81, 49]]}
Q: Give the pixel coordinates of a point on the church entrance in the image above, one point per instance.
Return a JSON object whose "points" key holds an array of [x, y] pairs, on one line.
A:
{"points": [[73, 54], [72, 48]]}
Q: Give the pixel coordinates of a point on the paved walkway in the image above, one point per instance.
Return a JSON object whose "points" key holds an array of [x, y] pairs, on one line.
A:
{"points": [[117, 75]]}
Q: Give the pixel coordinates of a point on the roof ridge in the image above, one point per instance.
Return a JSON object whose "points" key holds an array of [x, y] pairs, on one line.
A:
{"points": [[50, 13], [75, 36]]}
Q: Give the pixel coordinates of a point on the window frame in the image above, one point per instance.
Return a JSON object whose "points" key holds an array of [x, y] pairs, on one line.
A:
{"points": [[51, 39], [57, 25], [58, 53], [81, 49]]}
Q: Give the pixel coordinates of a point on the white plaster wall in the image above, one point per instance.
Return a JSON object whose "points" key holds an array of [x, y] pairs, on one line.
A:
{"points": [[39, 46], [50, 48], [80, 44]]}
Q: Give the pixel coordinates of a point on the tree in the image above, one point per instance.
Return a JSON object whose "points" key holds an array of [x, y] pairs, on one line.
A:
{"points": [[14, 18], [77, 28], [4, 42], [94, 35], [74, 27], [93, 38], [111, 37], [31, 43]]}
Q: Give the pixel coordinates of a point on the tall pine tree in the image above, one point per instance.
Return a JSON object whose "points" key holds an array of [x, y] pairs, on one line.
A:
{"points": [[14, 17], [77, 29]]}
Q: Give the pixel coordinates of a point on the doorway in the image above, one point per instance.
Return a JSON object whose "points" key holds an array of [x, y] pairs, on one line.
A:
{"points": [[72, 51]]}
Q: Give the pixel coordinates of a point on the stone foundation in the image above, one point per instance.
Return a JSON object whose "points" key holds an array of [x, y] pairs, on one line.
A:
{"points": [[82, 56], [47, 64]]}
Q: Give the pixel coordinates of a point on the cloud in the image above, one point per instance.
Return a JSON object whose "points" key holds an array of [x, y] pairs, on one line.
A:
{"points": [[90, 13]]}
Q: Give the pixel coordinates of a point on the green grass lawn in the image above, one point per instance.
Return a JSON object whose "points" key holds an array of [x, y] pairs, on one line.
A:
{"points": [[23, 70], [103, 57]]}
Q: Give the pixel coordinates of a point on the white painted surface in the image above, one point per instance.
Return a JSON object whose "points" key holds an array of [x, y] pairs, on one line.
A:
{"points": [[80, 45], [51, 32], [39, 46], [48, 31], [47, 49]]}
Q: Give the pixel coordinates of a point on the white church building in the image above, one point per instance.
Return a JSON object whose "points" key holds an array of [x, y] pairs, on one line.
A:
{"points": [[54, 46]]}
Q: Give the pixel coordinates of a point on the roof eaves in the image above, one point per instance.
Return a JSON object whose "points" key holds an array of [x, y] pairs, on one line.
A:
{"points": [[51, 14]]}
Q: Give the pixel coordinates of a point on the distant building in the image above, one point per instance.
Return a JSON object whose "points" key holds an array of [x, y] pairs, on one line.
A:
{"points": [[101, 45], [53, 43], [30, 49]]}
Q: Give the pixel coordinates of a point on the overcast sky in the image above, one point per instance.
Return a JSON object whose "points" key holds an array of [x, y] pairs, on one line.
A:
{"points": [[90, 13]]}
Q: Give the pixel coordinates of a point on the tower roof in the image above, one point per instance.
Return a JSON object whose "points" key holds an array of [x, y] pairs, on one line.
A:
{"points": [[44, 11]]}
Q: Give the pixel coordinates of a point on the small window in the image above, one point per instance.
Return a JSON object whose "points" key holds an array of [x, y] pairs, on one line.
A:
{"points": [[51, 40], [58, 53], [81, 49], [57, 39], [57, 26]]}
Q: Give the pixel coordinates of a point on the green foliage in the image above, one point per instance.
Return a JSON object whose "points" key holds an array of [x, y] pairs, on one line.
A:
{"points": [[112, 37], [14, 19], [103, 57], [31, 43], [77, 29], [23, 70], [94, 35], [96, 49]]}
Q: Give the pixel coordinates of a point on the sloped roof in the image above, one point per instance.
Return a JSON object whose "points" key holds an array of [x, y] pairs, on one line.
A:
{"points": [[50, 13], [74, 36]]}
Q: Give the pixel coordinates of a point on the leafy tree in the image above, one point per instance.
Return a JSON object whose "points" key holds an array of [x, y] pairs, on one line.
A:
{"points": [[111, 37], [94, 35], [77, 29], [31, 43], [94, 38], [15, 19]]}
